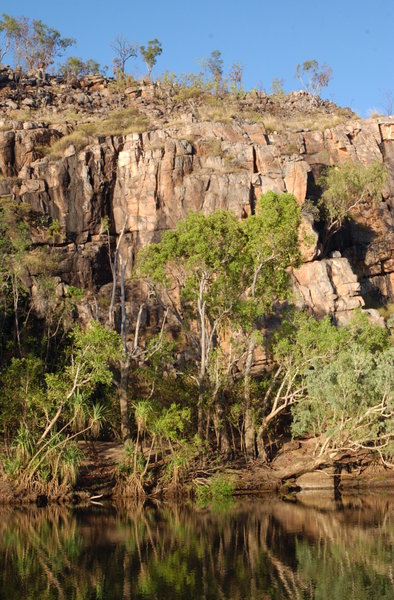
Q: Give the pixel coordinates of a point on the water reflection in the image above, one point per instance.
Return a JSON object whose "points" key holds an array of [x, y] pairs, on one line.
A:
{"points": [[260, 549]]}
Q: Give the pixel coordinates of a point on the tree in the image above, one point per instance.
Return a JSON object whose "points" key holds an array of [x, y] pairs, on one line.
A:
{"points": [[218, 275], [131, 348], [197, 274], [10, 30], [26, 268], [349, 402], [338, 383], [235, 76], [312, 77], [36, 45], [124, 50], [54, 408], [346, 187], [150, 53], [214, 65], [76, 67], [271, 248]]}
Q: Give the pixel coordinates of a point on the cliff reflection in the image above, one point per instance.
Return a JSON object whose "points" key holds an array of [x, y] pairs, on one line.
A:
{"points": [[260, 549]]}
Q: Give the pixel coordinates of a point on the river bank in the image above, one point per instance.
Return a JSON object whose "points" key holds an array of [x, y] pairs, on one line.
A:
{"points": [[99, 480]]}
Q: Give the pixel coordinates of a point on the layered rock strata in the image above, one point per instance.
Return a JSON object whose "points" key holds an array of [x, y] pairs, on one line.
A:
{"points": [[149, 181]]}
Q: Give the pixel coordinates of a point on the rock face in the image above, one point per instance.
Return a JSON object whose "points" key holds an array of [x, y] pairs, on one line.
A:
{"points": [[329, 286], [149, 181]]}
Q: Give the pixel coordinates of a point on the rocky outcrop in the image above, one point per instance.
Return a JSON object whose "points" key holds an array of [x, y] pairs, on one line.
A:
{"points": [[152, 180], [329, 286]]}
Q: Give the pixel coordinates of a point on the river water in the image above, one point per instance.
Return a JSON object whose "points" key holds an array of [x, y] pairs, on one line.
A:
{"points": [[253, 548]]}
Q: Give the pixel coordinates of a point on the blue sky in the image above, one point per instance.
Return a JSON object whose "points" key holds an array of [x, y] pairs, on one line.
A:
{"points": [[355, 37]]}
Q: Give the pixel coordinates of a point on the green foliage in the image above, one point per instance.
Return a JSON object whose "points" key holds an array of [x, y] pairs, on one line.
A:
{"points": [[48, 410], [10, 30], [347, 186], [21, 394], [214, 66], [271, 247], [350, 400], [220, 487], [93, 350], [200, 248], [150, 54], [179, 462], [344, 378], [76, 67], [313, 77], [35, 44], [186, 86], [20, 261], [171, 422], [121, 83], [217, 275]]}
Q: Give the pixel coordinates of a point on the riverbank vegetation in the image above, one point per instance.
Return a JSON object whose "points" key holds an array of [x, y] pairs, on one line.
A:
{"points": [[228, 370]]}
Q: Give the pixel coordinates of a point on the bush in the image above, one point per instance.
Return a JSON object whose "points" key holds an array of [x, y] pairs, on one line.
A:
{"points": [[346, 187], [220, 487]]}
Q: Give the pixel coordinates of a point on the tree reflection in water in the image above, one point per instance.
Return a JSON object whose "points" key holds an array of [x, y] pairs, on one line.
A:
{"points": [[260, 549]]}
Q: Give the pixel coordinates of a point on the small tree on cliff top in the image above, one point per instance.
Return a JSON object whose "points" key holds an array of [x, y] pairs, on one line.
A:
{"points": [[124, 50], [36, 45], [312, 77], [214, 65], [150, 53], [76, 67], [10, 30]]}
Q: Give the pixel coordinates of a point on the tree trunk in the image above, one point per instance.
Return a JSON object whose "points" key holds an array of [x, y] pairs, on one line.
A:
{"points": [[304, 466], [222, 438], [249, 432], [123, 400], [260, 445], [200, 417]]}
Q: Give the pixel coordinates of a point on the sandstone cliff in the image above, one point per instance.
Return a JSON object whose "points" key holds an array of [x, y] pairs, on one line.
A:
{"points": [[193, 158]]}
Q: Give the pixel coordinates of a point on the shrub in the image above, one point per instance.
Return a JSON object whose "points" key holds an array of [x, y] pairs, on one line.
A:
{"points": [[346, 187], [220, 487]]}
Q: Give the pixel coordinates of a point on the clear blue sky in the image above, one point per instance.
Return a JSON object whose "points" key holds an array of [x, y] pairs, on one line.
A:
{"points": [[355, 37]]}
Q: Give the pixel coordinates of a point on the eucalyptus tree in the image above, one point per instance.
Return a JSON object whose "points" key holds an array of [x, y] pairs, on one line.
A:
{"points": [[216, 275], [198, 273], [150, 54], [271, 248], [124, 50], [214, 65], [313, 77], [10, 31]]}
